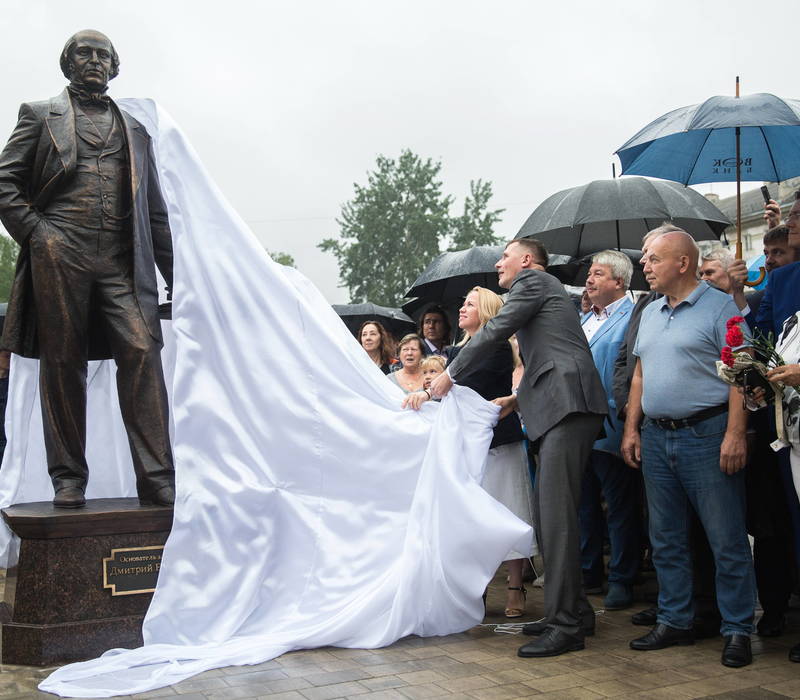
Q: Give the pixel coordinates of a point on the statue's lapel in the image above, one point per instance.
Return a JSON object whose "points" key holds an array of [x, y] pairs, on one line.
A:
{"points": [[61, 125], [137, 149]]}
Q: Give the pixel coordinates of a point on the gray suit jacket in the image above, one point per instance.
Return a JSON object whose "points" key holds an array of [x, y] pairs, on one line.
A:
{"points": [[39, 156], [560, 377]]}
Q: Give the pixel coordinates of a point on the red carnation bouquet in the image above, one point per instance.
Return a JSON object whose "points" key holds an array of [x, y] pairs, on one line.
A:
{"points": [[749, 370]]}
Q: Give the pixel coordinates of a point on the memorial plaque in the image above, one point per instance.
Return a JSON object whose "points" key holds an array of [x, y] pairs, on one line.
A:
{"points": [[132, 570]]}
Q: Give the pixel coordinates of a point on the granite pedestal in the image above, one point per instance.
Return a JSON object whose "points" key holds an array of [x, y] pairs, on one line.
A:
{"points": [[57, 609]]}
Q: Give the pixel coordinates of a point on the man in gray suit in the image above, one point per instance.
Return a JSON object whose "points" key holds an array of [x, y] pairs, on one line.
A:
{"points": [[80, 194], [563, 404]]}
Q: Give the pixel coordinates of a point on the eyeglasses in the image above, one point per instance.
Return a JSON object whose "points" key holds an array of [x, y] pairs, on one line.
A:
{"points": [[792, 216]]}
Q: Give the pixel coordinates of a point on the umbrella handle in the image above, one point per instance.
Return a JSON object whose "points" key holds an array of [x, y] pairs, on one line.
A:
{"points": [[761, 276]]}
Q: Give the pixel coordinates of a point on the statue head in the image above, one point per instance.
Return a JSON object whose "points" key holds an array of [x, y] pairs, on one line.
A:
{"points": [[89, 59]]}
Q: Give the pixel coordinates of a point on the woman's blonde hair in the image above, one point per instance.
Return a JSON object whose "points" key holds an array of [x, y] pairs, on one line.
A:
{"points": [[489, 305]]}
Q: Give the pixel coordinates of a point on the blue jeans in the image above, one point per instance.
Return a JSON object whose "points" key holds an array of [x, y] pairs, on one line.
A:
{"points": [[607, 475], [681, 471]]}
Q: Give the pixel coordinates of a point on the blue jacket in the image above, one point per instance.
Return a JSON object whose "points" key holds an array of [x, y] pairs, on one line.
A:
{"points": [[781, 298], [605, 346]]}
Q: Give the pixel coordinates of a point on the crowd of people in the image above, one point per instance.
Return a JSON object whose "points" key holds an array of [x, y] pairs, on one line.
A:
{"points": [[638, 449]]}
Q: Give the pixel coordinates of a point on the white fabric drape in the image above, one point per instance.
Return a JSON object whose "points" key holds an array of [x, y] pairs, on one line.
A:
{"points": [[311, 510]]}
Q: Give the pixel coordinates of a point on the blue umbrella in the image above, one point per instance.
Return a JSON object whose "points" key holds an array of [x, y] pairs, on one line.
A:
{"points": [[724, 139], [698, 143]]}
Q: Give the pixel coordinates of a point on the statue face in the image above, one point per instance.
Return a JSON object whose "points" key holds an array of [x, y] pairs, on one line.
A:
{"points": [[91, 60]]}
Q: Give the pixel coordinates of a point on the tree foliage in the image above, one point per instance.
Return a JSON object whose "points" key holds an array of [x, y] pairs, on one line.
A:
{"points": [[398, 222], [282, 258], [475, 226], [391, 229], [8, 263]]}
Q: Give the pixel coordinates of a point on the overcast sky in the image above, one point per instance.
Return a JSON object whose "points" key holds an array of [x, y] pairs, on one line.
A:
{"points": [[289, 103]]}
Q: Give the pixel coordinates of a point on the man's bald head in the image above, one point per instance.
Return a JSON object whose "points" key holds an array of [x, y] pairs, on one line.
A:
{"points": [[88, 39], [651, 235], [671, 262], [681, 243]]}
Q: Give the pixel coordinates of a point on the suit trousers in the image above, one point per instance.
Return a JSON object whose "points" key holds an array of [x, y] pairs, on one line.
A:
{"points": [[563, 454], [81, 276]]}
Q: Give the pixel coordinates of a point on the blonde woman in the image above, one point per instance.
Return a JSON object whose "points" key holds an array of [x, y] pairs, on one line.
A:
{"points": [[409, 378], [506, 476]]}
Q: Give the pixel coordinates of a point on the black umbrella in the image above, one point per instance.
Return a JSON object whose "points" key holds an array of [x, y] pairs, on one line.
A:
{"points": [[452, 275], [618, 213], [393, 320], [575, 270]]}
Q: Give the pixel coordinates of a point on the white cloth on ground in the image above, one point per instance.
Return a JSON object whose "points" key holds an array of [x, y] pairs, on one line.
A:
{"points": [[311, 510]]}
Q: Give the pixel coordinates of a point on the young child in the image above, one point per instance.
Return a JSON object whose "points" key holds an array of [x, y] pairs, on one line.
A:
{"points": [[432, 366]]}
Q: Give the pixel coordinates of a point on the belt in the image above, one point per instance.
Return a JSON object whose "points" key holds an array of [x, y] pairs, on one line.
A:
{"points": [[678, 423]]}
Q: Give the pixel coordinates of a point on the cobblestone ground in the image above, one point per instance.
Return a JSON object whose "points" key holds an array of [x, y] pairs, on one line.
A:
{"points": [[482, 664]]}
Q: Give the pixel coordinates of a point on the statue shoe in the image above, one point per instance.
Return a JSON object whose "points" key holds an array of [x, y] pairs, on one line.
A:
{"points": [[165, 496], [69, 497]]}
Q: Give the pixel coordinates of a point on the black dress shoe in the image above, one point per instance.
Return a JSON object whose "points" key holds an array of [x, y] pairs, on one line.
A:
{"points": [[794, 654], [771, 624], [736, 651], [165, 496], [552, 643], [661, 637], [69, 497], [645, 618]]}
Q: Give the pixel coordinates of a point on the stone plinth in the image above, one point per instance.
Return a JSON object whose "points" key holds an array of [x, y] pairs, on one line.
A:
{"points": [[57, 609]]}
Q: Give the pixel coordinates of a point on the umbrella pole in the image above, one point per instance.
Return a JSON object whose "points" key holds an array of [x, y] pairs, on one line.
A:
{"points": [[738, 188], [762, 271]]}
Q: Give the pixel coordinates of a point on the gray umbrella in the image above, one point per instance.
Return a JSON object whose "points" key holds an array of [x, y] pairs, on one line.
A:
{"points": [[393, 320], [618, 213], [452, 275], [448, 292]]}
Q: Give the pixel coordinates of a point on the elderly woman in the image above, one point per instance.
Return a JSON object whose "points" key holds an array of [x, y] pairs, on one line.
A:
{"points": [[409, 378], [377, 343], [506, 476]]}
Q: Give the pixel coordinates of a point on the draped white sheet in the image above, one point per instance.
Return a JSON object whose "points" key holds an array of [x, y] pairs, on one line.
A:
{"points": [[311, 510]]}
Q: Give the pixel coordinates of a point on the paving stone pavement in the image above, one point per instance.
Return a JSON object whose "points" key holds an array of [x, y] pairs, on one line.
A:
{"points": [[481, 664]]}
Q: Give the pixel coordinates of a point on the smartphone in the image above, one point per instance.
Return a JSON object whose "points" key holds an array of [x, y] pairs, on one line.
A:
{"points": [[765, 194]]}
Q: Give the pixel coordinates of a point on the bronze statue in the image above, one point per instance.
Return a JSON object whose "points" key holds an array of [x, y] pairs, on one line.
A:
{"points": [[79, 192]]}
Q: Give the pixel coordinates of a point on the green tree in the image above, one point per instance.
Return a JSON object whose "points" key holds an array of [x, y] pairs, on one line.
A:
{"points": [[391, 229], [282, 258], [475, 226], [8, 263]]}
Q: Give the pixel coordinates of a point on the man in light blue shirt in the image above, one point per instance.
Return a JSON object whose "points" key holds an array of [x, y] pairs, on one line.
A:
{"points": [[606, 474], [691, 448]]}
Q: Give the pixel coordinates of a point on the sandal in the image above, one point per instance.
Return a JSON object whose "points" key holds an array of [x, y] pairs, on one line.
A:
{"points": [[517, 612]]}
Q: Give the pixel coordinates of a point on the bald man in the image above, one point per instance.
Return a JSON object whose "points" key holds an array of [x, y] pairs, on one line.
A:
{"points": [[686, 428]]}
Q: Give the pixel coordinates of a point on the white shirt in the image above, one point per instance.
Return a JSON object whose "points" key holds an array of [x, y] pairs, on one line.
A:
{"points": [[598, 317]]}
